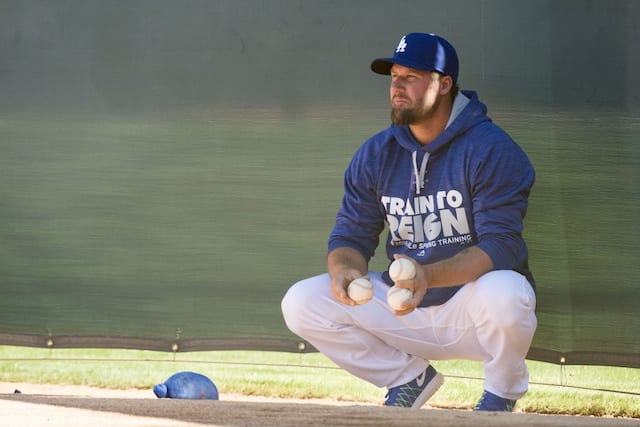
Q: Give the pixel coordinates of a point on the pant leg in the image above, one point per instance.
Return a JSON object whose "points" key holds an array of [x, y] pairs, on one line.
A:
{"points": [[502, 310], [491, 320], [339, 332]]}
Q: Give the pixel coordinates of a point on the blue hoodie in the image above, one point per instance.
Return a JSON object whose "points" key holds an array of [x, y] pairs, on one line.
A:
{"points": [[467, 187]]}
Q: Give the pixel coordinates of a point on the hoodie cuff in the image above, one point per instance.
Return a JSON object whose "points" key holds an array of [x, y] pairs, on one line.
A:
{"points": [[506, 253]]}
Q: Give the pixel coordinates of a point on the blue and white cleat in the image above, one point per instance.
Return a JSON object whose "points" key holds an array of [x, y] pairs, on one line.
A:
{"points": [[414, 394], [491, 402]]}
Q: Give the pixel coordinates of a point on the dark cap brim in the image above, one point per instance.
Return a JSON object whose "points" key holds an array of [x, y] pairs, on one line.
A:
{"points": [[382, 66]]}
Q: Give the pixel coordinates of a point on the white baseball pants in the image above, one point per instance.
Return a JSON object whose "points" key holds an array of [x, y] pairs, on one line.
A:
{"points": [[490, 320]]}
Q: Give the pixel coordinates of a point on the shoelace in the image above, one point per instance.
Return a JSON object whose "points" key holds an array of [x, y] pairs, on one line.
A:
{"points": [[405, 396]]}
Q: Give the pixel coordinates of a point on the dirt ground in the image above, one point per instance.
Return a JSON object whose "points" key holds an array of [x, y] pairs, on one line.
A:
{"points": [[69, 406]]}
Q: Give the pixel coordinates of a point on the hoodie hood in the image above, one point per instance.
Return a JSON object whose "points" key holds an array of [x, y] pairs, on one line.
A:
{"points": [[473, 113], [467, 111]]}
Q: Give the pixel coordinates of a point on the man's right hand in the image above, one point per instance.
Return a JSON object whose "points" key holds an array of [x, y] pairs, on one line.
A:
{"points": [[345, 265], [340, 282]]}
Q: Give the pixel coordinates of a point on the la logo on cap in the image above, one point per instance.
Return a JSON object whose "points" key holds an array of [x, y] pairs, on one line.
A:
{"points": [[402, 45]]}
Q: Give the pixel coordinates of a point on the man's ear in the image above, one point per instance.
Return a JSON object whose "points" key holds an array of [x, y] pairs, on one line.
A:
{"points": [[446, 84]]}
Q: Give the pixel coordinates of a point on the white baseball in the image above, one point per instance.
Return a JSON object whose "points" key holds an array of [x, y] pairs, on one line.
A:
{"points": [[402, 269], [360, 290], [396, 297]]}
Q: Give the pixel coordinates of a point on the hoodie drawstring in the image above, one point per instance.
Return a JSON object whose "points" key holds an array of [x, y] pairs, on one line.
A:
{"points": [[419, 174]]}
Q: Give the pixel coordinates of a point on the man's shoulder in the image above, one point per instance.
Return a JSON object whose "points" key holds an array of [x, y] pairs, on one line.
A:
{"points": [[488, 136], [378, 141], [381, 137], [488, 128]]}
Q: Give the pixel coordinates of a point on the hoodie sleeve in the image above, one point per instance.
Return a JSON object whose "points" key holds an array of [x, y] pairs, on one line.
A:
{"points": [[503, 180], [359, 220]]}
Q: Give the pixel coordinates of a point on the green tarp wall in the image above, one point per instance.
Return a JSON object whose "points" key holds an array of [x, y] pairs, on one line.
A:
{"points": [[169, 168]]}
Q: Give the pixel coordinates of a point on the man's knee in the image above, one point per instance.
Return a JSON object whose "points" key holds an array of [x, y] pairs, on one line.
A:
{"points": [[292, 300], [299, 299], [506, 297]]}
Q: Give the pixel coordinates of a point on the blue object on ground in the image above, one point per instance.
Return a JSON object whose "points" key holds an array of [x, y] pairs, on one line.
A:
{"points": [[187, 385]]}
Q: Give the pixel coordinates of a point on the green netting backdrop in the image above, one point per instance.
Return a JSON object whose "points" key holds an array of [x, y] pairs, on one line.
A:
{"points": [[168, 169]]}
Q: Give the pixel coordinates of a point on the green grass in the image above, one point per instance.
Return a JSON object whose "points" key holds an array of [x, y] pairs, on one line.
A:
{"points": [[580, 390]]}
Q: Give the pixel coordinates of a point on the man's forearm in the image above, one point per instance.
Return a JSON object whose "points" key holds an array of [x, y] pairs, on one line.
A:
{"points": [[341, 259], [464, 267]]}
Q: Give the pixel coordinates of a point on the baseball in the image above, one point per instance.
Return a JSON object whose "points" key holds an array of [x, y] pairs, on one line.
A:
{"points": [[402, 269], [360, 290], [396, 297]]}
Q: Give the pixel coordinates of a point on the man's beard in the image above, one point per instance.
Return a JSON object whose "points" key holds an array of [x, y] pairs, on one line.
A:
{"points": [[411, 115], [404, 116]]}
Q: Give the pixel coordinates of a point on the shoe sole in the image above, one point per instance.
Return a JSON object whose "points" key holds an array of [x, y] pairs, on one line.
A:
{"points": [[429, 390]]}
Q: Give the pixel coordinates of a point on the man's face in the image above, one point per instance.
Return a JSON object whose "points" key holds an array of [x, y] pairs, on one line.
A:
{"points": [[415, 95]]}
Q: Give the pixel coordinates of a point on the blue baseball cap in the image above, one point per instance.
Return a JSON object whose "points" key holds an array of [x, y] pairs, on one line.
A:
{"points": [[427, 52]]}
